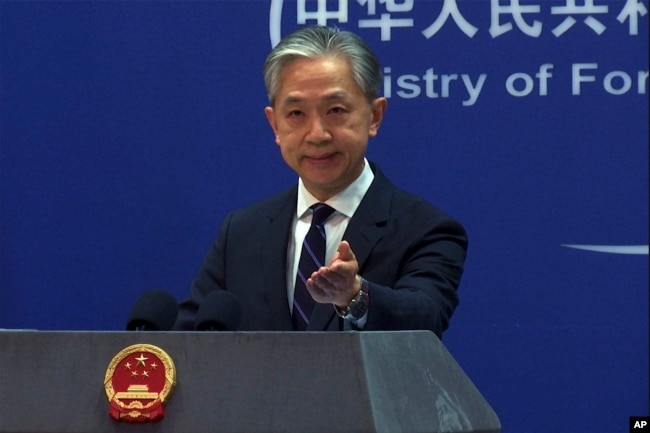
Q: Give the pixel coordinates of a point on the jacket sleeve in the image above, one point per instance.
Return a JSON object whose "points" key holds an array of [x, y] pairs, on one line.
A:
{"points": [[211, 276], [414, 272]]}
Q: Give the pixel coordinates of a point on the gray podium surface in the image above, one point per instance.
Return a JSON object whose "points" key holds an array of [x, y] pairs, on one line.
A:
{"points": [[246, 382]]}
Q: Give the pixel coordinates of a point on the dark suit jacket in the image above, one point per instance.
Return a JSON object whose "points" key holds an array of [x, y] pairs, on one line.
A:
{"points": [[411, 253]]}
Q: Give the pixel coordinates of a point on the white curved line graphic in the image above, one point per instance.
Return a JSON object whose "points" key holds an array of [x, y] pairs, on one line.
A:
{"points": [[275, 22], [611, 249]]}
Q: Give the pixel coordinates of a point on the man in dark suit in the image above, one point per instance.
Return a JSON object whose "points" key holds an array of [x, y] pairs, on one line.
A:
{"points": [[392, 261]]}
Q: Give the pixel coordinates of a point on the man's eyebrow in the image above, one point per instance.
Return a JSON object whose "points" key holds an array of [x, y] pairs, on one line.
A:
{"points": [[291, 100], [334, 96], [340, 96]]}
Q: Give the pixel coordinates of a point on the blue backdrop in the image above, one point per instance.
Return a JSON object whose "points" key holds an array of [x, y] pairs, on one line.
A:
{"points": [[129, 129]]}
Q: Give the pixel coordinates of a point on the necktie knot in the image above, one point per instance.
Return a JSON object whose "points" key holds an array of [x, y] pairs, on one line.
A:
{"points": [[321, 212]]}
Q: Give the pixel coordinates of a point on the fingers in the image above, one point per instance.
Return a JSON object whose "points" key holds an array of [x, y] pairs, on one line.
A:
{"points": [[343, 266], [326, 286], [329, 278], [335, 282], [344, 252]]}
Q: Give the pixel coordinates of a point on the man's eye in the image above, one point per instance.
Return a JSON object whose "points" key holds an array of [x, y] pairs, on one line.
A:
{"points": [[337, 110], [296, 113]]}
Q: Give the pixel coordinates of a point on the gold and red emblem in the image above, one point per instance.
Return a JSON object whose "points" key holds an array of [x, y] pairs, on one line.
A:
{"points": [[138, 382]]}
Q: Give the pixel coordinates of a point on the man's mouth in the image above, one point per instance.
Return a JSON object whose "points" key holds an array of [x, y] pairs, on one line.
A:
{"points": [[321, 159]]}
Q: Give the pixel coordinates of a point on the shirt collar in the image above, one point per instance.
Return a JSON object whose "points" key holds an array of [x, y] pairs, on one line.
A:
{"points": [[345, 202]]}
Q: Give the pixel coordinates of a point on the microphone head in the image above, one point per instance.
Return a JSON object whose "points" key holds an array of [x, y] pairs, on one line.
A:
{"points": [[155, 310], [219, 311]]}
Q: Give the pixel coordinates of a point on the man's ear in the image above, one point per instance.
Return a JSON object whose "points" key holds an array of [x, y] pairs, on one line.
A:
{"points": [[270, 116], [378, 107]]}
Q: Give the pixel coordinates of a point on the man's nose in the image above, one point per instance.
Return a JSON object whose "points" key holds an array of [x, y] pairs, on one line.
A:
{"points": [[318, 130]]}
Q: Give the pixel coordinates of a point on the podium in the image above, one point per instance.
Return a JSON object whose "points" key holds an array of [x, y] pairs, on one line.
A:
{"points": [[248, 382]]}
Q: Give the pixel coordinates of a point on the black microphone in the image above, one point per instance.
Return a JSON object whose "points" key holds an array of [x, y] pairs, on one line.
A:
{"points": [[155, 310], [219, 311]]}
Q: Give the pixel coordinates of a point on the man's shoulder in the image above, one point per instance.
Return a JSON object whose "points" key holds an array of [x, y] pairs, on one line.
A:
{"points": [[415, 206], [271, 205], [404, 203]]}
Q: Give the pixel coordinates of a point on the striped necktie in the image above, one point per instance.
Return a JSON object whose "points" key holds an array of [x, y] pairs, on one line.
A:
{"points": [[312, 257]]}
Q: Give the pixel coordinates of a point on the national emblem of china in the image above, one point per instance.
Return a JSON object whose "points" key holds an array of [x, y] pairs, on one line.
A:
{"points": [[138, 382]]}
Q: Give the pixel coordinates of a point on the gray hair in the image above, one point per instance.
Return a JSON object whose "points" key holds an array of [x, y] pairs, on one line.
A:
{"points": [[316, 41]]}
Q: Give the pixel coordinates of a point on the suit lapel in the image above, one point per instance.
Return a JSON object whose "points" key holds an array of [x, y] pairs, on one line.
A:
{"points": [[365, 228]]}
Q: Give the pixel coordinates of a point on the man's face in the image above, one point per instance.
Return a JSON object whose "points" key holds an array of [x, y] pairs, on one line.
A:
{"points": [[322, 122]]}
